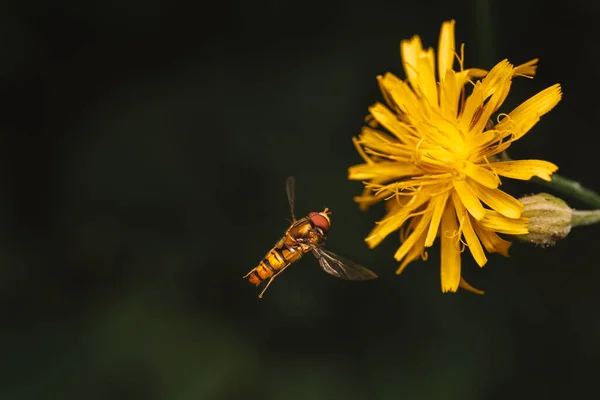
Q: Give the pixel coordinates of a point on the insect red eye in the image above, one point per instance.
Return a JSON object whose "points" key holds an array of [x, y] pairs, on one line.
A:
{"points": [[320, 221]]}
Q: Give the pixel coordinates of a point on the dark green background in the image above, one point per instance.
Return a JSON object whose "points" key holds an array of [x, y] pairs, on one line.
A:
{"points": [[145, 146]]}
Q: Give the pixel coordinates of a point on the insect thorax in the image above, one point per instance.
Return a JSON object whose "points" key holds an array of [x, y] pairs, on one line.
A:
{"points": [[303, 231]]}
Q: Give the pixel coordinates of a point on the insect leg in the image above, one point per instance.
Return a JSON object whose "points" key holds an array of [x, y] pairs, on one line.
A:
{"points": [[271, 280]]}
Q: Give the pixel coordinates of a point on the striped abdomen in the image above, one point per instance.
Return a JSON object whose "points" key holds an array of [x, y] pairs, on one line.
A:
{"points": [[277, 258]]}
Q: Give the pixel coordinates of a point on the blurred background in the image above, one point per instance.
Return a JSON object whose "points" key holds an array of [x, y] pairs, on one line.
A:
{"points": [[144, 150]]}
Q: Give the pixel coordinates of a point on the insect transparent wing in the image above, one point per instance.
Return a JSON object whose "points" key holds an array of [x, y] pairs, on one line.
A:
{"points": [[290, 188], [341, 267]]}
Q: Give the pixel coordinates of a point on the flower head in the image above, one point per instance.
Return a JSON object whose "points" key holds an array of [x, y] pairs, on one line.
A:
{"points": [[432, 154]]}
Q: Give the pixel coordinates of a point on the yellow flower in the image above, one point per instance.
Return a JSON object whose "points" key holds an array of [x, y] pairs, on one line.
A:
{"points": [[431, 154]]}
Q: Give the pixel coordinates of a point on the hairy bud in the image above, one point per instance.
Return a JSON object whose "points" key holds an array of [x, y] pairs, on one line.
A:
{"points": [[550, 219]]}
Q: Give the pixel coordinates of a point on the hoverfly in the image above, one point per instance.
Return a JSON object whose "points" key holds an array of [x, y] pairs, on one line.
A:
{"points": [[305, 235]]}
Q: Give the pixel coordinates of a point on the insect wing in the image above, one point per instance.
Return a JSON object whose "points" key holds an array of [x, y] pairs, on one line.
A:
{"points": [[341, 267], [290, 189]]}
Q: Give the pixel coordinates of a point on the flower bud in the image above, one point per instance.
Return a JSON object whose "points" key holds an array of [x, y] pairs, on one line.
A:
{"points": [[549, 219]]}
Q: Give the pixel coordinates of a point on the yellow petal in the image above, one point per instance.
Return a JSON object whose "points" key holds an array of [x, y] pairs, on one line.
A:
{"points": [[525, 116], [498, 200], [389, 85], [468, 198], [495, 86], [385, 144], [446, 49], [468, 232], [413, 109], [438, 204], [419, 67], [482, 141], [500, 93], [443, 132], [382, 170], [415, 252], [393, 220], [497, 76], [464, 285], [497, 82], [449, 96], [414, 237], [527, 69], [473, 242], [410, 51], [495, 149], [360, 151], [389, 120], [386, 82], [450, 253], [525, 169], [471, 107], [462, 77], [481, 175], [494, 221], [491, 241]]}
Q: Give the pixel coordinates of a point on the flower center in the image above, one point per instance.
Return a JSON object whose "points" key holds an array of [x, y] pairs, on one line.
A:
{"points": [[433, 158]]}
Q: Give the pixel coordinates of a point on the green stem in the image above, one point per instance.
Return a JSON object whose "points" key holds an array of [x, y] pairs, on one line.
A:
{"points": [[571, 188], [580, 218]]}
